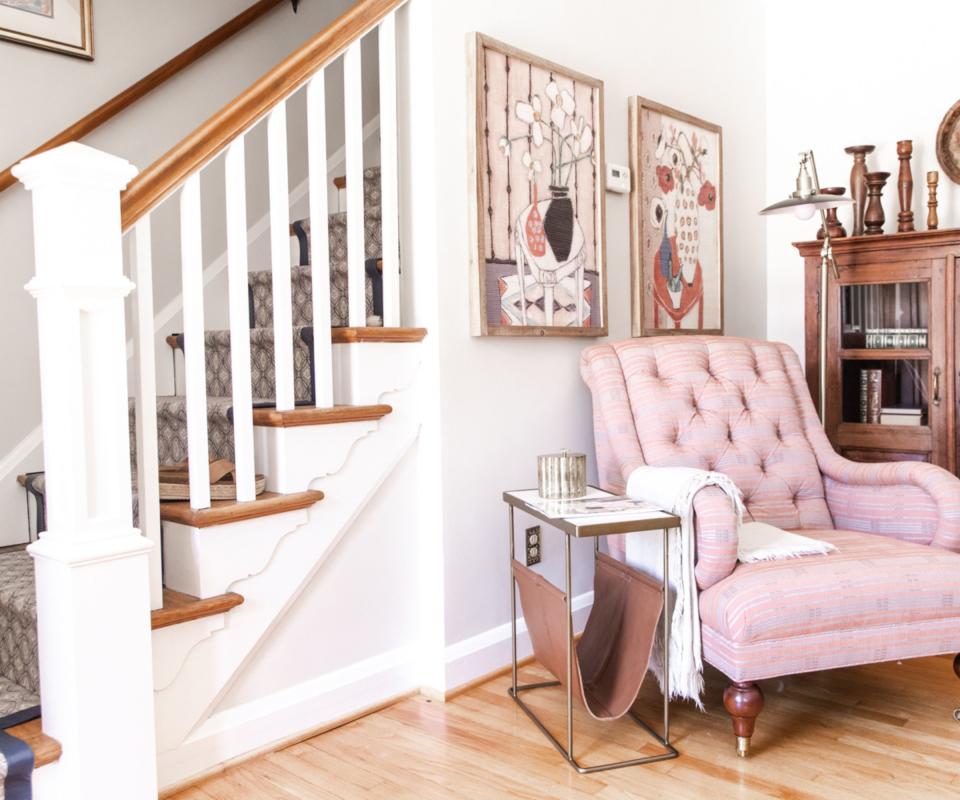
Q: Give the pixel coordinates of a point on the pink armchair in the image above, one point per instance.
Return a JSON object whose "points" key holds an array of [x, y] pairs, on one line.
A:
{"points": [[741, 407]]}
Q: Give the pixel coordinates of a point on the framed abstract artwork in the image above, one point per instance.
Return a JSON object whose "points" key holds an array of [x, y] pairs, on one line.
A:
{"points": [[64, 26], [676, 221], [538, 247]]}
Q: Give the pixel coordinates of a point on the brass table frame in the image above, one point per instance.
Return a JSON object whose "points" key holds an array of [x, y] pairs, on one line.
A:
{"points": [[582, 528]]}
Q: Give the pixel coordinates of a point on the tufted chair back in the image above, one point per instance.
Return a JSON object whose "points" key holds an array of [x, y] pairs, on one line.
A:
{"points": [[711, 402]]}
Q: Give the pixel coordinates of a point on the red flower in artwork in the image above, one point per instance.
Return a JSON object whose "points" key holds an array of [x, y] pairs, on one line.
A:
{"points": [[708, 196], [665, 178]]}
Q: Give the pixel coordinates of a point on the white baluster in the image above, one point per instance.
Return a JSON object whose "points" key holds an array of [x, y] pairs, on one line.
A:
{"points": [[319, 241], [194, 343], [237, 278], [353, 146], [388, 170], [280, 255], [145, 396]]}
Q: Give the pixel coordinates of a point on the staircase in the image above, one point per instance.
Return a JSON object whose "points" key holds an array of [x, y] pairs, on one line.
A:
{"points": [[314, 386]]}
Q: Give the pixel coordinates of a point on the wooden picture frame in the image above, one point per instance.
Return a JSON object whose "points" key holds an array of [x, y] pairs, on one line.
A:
{"points": [[676, 213], [537, 205], [62, 26]]}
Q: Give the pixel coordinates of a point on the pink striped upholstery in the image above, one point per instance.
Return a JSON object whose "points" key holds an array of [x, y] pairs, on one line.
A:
{"points": [[796, 615], [742, 407]]}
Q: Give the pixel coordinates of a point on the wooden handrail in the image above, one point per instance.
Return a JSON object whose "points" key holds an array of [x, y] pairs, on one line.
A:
{"points": [[147, 84], [199, 147]]}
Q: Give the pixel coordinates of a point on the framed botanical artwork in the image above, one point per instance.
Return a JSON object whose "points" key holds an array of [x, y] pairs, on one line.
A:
{"points": [[676, 221], [537, 223], [64, 26]]}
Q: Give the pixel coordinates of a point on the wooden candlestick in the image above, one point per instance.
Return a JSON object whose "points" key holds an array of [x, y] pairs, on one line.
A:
{"points": [[932, 219], [905, 187], [858, 186], [873, 217], [837, 231]]}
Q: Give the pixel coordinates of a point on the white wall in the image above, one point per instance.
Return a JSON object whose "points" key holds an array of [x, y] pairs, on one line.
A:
{"points": [[503, 401], [840, 74]]}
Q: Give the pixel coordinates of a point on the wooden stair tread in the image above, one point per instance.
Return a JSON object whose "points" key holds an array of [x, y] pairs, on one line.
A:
{"points": [[180, 607], [45, 748], [224, 511], [305, 415], [378, 334]]}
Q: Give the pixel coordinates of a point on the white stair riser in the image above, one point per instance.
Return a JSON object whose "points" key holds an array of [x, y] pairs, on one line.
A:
{"points": [[172, 645], [291, 458], [47, 782], [203, 562], [364, 371]]}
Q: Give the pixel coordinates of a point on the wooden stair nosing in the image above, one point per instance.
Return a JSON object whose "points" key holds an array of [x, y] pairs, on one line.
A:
{"points": [[180, 607], [225, 511], [310, 415], [45, 748], [350, 335], [377, 334]]}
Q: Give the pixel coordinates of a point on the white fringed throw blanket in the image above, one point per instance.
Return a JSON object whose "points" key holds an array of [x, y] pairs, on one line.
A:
{"points": [[673, 489], [757, 541]]}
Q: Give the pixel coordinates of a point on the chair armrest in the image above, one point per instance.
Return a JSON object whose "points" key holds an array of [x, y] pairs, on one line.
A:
{"points": [[909, 500], [716, 529]]}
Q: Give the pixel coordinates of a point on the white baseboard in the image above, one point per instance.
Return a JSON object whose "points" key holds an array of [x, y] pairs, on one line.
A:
{"points": [[263, 724], [489, 651]]}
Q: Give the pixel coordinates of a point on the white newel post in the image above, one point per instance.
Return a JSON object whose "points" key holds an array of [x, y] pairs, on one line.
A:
{"points": [[92, 577]]}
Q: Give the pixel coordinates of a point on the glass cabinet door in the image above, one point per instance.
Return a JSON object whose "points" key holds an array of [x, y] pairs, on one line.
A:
{"points": [[885, 375], [885, 316]]}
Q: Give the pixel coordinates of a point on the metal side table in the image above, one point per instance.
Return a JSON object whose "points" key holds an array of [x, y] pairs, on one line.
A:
{"points": [[584, 527]]}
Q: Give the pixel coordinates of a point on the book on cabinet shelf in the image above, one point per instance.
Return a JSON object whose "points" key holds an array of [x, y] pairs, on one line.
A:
{"points": [[901, 416], [870, 381], [896, 338]]}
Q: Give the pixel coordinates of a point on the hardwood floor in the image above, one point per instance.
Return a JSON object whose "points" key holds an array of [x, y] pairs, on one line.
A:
{"points": [[877, 732]]}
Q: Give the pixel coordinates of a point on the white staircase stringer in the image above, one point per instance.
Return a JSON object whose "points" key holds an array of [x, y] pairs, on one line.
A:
{"points": [[214, 663]]}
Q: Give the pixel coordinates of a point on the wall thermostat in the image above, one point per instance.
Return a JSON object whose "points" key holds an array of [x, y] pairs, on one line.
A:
{"points": [[618, 179]]}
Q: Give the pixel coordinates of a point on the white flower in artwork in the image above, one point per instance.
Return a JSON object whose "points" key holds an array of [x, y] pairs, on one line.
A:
{"points": [[531, 113], [504, 145], [532, 164], [583, 138], [563, 104]]}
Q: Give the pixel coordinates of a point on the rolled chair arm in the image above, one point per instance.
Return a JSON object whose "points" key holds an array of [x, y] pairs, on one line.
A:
{"points": [[907, 499], [717, 539], [869, 497]]}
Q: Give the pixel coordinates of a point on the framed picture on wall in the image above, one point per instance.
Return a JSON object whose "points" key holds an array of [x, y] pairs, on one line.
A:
{"points": [[676, 221], [538, 250], [64, 26]]}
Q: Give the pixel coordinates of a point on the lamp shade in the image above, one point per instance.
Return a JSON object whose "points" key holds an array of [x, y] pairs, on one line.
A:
{"points": [[815, 201]]}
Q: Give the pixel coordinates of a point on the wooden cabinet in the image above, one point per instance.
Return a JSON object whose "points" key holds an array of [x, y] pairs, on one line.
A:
{"points": [[892, 314]]}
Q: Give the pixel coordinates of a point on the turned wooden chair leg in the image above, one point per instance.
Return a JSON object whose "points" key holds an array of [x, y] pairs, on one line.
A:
{"points": [[744, 702]]}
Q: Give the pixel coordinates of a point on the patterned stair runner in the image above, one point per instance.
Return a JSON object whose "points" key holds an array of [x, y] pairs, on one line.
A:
{"points": [[19, 670]]}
